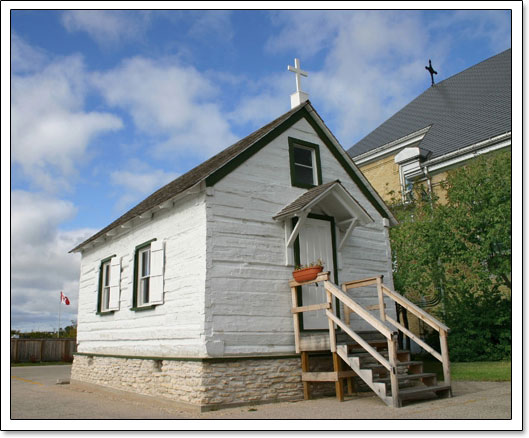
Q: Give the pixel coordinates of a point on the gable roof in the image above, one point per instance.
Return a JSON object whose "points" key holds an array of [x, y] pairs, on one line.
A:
{"points": [[315, 195], [218, 166], [466, 108]]}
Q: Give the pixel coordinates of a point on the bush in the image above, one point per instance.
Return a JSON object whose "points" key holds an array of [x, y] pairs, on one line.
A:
{"points": [[456, 257]]}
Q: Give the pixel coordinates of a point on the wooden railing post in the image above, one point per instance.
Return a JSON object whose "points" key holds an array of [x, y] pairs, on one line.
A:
{"points": [[392, 352], [337, 365], [305, 369], [332, 332], [346, 309], [381, 299], [446, 358], [295, 317]]}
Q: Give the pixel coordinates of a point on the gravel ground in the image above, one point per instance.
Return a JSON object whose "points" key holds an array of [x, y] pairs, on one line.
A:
{"points": [[35, 394]]}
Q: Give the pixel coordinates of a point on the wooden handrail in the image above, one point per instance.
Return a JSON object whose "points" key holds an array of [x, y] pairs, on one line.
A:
{"points": [[310, 308], [322, 276], [416, 310], [415, 338], [364, 314], [361, 283], [361, 341]]}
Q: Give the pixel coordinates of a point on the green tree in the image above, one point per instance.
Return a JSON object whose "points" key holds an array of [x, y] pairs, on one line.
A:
{"points": [[458, 255]]}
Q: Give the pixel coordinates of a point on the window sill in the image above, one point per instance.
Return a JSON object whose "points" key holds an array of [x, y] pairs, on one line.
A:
{"points": [[304, 186], [142, 308], [105, 312]]}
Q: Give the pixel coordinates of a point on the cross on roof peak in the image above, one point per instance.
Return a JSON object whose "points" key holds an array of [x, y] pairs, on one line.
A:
{"points": [[296, 69]]}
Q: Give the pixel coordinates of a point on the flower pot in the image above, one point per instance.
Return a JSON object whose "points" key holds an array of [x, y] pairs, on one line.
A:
{"points": [[307, 274]]}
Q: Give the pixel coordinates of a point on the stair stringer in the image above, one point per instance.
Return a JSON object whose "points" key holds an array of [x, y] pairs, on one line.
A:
{"points": [[365, 374]]}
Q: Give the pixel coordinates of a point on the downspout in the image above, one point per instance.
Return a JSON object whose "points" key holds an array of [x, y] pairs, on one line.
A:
{"points": [[441, 287], [429, 180]]}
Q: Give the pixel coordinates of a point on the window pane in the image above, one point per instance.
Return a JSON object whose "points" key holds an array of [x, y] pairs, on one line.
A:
{"points": [[106, 298], [145, 265], [304, 175], [106, 274], [302, 156], [144, 290]]}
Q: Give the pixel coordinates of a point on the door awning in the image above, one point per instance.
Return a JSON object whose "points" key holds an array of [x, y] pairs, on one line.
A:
{"points": [[331, 199]]}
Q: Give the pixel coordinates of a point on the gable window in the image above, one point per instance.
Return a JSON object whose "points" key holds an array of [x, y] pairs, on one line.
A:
{"points": [[305, 165], [108, 291], [148, 275]]}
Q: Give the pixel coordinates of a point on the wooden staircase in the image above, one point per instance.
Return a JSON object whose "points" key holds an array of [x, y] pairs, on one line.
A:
{"points": [[413, 383], [387, 371]]}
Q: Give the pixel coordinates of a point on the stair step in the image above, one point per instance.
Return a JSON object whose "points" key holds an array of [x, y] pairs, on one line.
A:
{"points": [[376, 367], [409, 362], [410, 393], [405, 377], [364, 353]]}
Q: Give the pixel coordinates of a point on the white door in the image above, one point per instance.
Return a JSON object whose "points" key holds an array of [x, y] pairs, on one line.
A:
{"points": [[315, 242]]}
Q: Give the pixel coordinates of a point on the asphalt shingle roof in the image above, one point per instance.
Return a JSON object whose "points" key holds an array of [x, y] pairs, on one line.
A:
{"points": [[305, 199], [194, 176], [464, 109]]}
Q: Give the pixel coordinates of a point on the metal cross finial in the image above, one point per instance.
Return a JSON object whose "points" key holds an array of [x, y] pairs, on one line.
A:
{"points": [[298, 72], [431, 70]]}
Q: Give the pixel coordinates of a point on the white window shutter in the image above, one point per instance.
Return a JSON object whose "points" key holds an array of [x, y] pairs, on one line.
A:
{"points": [[130, 291], [157, 265], [97, 267], [115, 277]]}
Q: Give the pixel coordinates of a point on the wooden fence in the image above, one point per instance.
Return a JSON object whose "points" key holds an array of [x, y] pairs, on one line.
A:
{"points": [[43, 350]]}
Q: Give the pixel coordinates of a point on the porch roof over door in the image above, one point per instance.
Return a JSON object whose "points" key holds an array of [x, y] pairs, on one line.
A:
{"points": [[331, 199]]}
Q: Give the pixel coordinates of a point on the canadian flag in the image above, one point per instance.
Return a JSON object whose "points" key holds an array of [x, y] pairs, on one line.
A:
{"points": [[65, 299]]}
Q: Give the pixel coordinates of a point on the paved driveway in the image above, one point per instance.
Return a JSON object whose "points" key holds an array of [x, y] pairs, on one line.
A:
{"points": [[35, 395]]}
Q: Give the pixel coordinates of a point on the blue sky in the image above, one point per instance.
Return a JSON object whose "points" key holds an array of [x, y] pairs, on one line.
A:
{"points": [[107, 106]]}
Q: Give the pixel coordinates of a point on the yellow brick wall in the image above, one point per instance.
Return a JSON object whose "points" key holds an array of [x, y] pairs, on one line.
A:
{"points": [[384, 177]]}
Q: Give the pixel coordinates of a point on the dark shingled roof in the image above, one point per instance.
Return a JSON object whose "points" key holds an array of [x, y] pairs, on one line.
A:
{"points": [[466, 108], [195, 175], [305, 198]]}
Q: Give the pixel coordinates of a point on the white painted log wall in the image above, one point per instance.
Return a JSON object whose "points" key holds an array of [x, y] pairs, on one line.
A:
{"points": [[174, 328], [247, 296]]}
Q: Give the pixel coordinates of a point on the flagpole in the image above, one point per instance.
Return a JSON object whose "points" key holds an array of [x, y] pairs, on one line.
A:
{"points": [[60, 302]]}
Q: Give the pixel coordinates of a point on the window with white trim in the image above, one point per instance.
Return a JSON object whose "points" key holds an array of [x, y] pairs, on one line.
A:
{"points": [[108, 290], [105, 286], [305, 166], [144, 273], [148, 286]]}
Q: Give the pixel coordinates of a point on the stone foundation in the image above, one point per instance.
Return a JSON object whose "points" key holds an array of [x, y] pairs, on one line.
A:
{"points": [[203, 383]]}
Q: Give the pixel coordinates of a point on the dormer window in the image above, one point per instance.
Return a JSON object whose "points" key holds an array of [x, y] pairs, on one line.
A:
{"points": [[305, 165]]}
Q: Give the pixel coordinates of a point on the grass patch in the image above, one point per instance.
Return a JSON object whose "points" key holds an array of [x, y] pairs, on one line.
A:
{"points": [[37, 364], [473, 371]]}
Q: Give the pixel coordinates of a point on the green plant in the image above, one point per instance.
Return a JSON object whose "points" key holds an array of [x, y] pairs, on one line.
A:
{"points": [[315, 264], [454, 258]]}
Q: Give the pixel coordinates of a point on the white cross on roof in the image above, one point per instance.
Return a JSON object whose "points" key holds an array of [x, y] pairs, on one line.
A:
{"points": [[298, 72]]}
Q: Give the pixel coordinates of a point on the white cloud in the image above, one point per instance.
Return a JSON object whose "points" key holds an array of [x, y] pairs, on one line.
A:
{"points": [[171, 102], [264, 100], [208, 23], [107, 27], [40, 264], [491, 25], [25, 58], [374, 63], [138, 181], [50, 129]]}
